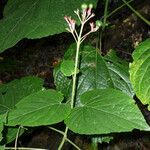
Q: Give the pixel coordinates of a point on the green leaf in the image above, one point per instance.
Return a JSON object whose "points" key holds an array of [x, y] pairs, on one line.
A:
{"points": [[67, 67], [140, 71], [102, 138], [35, 19], [40, 108], [2, 147], [12, 133], [13, 92], [1, 127], [2, 122], [62, 82], [119, 72], [112, 57], [105, 111], [96, 72]]}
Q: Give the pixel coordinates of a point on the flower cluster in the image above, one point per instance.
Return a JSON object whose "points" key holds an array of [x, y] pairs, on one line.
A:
{"points": [[71, 23], [83, 17]]}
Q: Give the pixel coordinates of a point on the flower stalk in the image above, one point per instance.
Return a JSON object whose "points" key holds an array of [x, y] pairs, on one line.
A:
{"points": [[85, 15]]}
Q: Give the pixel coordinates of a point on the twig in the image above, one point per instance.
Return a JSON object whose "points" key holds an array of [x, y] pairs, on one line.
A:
{"points": [[61, 132], [17, 135], [137, 13], [118, 8]]}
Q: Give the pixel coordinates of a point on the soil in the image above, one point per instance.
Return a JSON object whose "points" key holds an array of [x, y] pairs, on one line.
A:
{"points": [[38, 57]]}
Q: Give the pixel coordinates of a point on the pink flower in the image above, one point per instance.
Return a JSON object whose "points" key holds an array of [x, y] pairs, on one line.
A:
{"points": [[93, 27], [88, 11], [71, 23]]}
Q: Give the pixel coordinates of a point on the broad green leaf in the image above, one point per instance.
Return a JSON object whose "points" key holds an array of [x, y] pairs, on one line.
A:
{"points": [[35, 19], [105, 111], [11, 93], [67, 67], [96, 72], [40, 108], [140, 71], [119, 72]]}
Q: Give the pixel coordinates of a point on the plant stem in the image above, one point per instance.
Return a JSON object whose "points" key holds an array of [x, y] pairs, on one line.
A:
{"points": [[137, 13], [118, 8], [17, 135], [57, 130], [105, 14], [76, 67], [100, 41], [74, 83], [62, 133], [104, 25], [63, 140]]}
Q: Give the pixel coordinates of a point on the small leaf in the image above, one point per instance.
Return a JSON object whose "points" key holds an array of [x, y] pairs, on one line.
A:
{"points": [[102, 138], [140, 71], [105, 111], [62, 82], [67, 67], [40, 108]]}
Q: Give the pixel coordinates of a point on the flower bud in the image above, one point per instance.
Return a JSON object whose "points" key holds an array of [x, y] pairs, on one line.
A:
{"points": [[99, 23], [91, 6], [84, 6]]}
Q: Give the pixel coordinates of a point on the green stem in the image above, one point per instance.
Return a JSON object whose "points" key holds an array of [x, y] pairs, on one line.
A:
{"points": [[104, 25], [64, 139], [17, 135], [118, 8], [137, 13], [62, 133], [100, 41], [74, 83], [105, 13], [76, 67], [54, 129]]}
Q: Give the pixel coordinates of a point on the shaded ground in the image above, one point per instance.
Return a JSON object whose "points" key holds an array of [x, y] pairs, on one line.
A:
{"points": [[38, 57]]}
